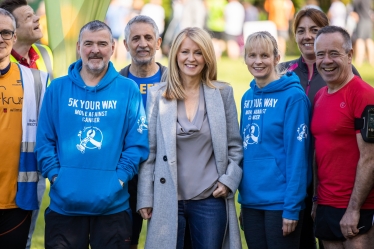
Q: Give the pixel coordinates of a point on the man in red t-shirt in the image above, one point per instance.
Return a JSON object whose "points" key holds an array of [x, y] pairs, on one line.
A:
{"points": [[344, 201]]}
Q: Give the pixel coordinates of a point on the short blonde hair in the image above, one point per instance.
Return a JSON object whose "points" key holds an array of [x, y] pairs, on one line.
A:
{"points": [[174, 86], [263, 39]]}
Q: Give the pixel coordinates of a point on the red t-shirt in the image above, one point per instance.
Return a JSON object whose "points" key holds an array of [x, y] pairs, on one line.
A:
{"points": [[337, 152]]}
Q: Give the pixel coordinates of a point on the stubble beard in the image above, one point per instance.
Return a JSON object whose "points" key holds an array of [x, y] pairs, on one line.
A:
{"points": [[143, 62], [95, 71]]}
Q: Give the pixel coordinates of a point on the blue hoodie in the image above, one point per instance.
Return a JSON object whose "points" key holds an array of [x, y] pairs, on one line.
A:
{"points": [[274, 126], [91, 137]]}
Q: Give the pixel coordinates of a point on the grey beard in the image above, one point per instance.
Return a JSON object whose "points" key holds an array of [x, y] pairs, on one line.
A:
{"points": [[143, 62], [95, 71]]}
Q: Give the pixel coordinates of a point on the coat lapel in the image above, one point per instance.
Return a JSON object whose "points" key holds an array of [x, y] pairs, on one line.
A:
{"points": [[217, 123]]}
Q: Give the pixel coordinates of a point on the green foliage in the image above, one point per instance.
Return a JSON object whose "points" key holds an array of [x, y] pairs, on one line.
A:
{"points": [[34, 4], [291, 47], [167, 4]]}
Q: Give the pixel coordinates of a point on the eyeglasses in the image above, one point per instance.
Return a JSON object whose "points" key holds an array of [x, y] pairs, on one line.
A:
{"points": [[6, 34]]}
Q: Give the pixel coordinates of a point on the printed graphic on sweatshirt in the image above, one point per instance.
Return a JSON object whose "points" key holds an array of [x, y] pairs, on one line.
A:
{"points": [[92, 111], [142, 126], [302, 130], [251, 133], [258, 106], [90, 138]]}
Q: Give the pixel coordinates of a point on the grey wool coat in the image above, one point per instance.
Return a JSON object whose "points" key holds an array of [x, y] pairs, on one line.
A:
{"points": [[157, 186]]}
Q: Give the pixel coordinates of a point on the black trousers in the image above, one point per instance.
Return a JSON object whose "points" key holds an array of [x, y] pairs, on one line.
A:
{"points": [[137, 220], [78, 232], [307, 239], [14, 228], [263, 229]]}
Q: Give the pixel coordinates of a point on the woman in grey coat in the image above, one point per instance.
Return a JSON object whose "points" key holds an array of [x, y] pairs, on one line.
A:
{"points": [[189, 181]]}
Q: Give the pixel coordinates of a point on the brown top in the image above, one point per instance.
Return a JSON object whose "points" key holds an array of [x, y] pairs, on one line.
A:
{"points": [[197, 170]]}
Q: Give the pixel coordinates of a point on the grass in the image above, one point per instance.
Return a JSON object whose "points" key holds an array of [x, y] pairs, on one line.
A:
{"points": [[234, 72]]}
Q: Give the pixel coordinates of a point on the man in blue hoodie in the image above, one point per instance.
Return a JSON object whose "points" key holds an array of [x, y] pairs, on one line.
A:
{"points": [[92, 136]]}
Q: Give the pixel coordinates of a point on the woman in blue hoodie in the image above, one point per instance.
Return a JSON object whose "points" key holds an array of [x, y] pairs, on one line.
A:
{"points": [[274, 127]]}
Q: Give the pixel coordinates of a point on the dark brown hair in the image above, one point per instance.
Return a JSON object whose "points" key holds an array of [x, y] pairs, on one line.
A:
{"points": [[11, 5], [317, 16]]}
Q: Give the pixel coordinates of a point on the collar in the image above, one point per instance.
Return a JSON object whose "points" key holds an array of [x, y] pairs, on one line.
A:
{"points": [[33, 55], [5, 70]]}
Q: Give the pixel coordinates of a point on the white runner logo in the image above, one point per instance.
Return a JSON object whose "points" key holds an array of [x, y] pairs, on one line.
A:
{"points": [[142, 125], [251, 133], [90, 138], [303, 132]]}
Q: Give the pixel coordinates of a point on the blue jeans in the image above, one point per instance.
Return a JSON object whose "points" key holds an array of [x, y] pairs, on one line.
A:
{"points": [[205, 220]]}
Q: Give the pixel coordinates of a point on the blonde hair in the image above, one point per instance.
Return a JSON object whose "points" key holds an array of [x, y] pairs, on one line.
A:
{"points": [[174, 86], [263, 39]]}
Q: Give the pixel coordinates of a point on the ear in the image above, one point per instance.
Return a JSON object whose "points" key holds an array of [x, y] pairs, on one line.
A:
{"points": [[113, 46], [126, 46], [277, 59], [158, 43], [78, 48], [14, 38], [350, 56]]}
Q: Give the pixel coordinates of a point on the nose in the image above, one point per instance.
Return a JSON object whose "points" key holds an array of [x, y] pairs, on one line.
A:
{"points": [[308, 35], [191, 56], [258, 59], [327, 59], [36, 18], [95, 48], [142, 42]]}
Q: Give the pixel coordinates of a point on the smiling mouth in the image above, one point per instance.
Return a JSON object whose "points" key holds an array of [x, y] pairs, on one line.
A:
{"points": [[329, 69], [142, 52], [191, 66], [308, 44]]}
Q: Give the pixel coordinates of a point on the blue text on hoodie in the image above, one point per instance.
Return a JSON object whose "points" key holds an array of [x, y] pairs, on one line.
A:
{"points": [[274, 127], [91, 137]]}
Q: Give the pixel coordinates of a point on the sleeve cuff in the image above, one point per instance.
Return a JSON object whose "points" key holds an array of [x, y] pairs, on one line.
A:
{"points": [[52, 173], [291, 215], [123, 176]]}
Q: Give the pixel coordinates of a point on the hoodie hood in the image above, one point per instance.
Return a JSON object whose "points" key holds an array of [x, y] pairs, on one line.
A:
{"points": [[75, 77], [290, 79]]}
